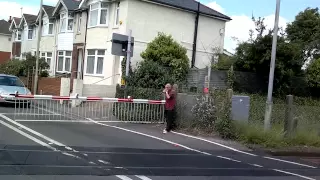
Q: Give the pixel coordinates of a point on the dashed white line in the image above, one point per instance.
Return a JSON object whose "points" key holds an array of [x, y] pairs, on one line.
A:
{"points": [[123, 177], [230, 159], [143, 177], [104, 162], [215, 143], [290, 162], [256, 165], [294, 174]]}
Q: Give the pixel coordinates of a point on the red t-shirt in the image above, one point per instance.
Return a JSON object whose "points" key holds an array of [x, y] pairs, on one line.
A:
{"points": [[170, 102]]}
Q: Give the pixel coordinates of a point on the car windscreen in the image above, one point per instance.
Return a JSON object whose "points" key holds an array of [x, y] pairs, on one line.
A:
{"points": [[10, 81]]}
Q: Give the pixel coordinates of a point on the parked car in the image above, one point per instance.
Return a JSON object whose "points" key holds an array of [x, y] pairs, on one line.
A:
{"points": [[10, 85]]}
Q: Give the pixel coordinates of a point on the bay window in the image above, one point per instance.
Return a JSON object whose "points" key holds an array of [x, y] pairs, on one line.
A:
{"points": [[66, 22], [94, 65], [64, 61], [98, 14]]}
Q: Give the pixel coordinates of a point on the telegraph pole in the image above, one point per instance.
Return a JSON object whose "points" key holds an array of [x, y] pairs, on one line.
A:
{"points": [[268, 112], [35, 86]]}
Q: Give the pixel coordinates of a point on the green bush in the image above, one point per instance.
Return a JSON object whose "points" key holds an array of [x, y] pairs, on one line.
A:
{"points": [[13, 67], [205, 113]]}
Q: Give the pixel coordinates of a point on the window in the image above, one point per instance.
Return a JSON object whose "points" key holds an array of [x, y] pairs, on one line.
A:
{"points": [[30, 33], [63, 23], [79, 22], [64, 61], [95, 60], [18, 36], [99, 14], [47, 56], [70, 22], [117, 17], [50, 28]]}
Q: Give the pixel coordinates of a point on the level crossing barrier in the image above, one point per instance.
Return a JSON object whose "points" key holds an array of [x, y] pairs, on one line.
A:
{"points": [[48, 108]]}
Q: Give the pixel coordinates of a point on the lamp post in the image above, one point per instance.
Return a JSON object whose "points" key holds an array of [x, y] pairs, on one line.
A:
{"points": [[268, 111]]}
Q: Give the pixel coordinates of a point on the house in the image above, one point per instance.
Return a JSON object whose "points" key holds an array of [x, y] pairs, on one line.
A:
{"points": [[29, 30], [6, 41], [16, 37], [47, 40], [146, 18], [65, 13]]}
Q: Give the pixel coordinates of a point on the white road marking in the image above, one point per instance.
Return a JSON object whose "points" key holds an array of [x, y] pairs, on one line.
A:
{"points": [[28, 136], [52, 112], [143, 177], [222, 157], [256, 165], [290, 162], [294, 174], [215, 143], [150, 136], [123, 177], [32, 131], [104, 162]]}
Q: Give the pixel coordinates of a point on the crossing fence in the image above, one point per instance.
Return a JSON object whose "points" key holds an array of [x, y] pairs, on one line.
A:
{"points": [[83, 109]]}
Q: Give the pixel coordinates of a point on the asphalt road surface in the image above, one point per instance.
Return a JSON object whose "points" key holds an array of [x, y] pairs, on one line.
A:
{"points": [[119, 151]]}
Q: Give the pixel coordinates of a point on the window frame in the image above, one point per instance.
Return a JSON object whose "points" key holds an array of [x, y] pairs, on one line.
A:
{"points": [[117, 15], [63, 18], [96, 56], [17, 33], [79, 22], [50, 23], [99, 8], [46, 57], [64, 62], [32, 31]]}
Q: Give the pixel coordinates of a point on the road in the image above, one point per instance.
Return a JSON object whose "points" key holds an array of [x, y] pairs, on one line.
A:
{"points": [[119, 151]]}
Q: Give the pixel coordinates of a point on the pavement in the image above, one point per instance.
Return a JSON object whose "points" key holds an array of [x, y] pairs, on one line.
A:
{"points": [[61, 150]]}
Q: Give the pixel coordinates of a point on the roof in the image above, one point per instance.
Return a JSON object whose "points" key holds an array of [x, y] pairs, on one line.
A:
{"points": [[192, 5], [17, 20], [49, 10], [4, 27], [70, 5], [29, 18]]}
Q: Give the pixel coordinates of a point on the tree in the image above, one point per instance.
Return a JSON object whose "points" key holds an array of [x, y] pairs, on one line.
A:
{"points": [[169, 54], [12, 67], [164, 61], [313, 74], [255, 54], [305, 31], [21, 67]]}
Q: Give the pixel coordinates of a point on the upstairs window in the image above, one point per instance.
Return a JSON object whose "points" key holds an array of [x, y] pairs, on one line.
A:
{"points": [[117, 17], [30, 33], [99, 14], [63, 22], [50, 26], [18, 35], [79, 23]]}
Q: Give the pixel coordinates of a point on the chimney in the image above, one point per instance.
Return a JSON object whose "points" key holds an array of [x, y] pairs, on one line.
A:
{"points": [[10, 19]]}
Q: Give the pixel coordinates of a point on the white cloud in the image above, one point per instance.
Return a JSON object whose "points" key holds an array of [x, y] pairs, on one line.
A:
{"points": [[14, 9], [215, 6], [240, 25]]}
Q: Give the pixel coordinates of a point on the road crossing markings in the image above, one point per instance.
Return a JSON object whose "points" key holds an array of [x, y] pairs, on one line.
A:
{"points": [[143, 177], [123, 177]]}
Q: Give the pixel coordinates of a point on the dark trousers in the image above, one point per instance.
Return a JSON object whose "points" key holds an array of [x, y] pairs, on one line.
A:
{"points": [[170, 116]]}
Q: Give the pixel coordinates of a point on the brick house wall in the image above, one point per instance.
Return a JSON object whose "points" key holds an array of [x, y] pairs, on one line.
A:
{"points": [[4, 56], [49, 86]]}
